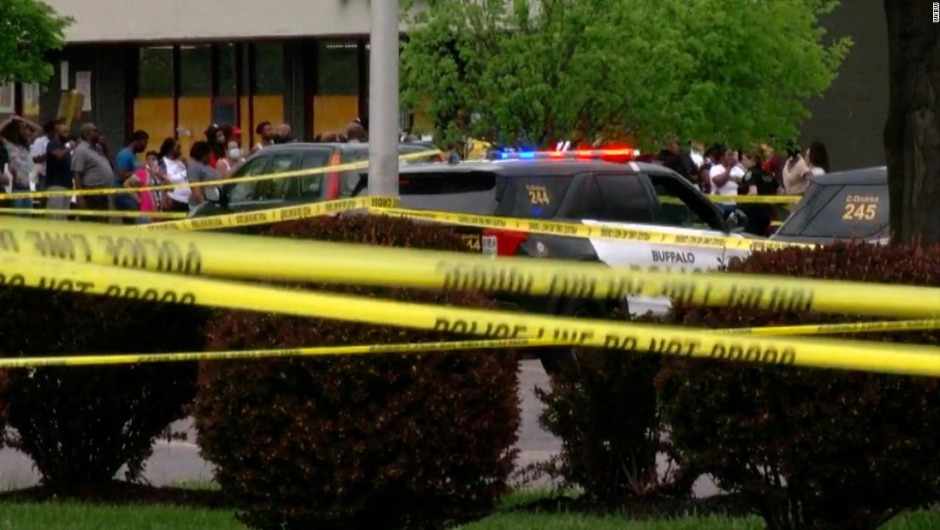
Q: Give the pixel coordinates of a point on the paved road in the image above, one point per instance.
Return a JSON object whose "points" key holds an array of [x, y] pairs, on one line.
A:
{"points": [[177, 462]]}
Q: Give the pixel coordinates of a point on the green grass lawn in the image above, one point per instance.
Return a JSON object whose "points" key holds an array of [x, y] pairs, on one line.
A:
{"points": [[53, 516]]}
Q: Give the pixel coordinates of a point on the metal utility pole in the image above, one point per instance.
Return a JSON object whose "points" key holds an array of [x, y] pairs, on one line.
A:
{"points": [[384, 113]]}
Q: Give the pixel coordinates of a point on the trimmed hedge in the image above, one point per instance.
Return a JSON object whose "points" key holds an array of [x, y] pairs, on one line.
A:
{"points": [[81, 424], [811, 449], [383, 441]]}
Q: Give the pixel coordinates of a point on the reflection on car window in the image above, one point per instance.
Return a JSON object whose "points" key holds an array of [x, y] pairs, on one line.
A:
{"points": [[251, 168], [311, 185], [405, 149], [354, 155], [266, 189], [473, 193], [349, 179], [621, 199], [673, 211]]}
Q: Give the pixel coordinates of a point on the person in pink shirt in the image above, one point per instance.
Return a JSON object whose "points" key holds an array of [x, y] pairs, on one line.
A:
{"points": [[149, 175]]}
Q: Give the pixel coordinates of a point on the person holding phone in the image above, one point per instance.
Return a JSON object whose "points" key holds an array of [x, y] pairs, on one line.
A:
{"points": [[17, 135], [59, 169], [795, 171]]}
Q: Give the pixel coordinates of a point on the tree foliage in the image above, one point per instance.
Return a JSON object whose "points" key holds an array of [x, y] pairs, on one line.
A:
{"points": [[29, 29], [540, 70]]}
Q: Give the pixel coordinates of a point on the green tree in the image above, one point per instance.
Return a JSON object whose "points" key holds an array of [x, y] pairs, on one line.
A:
{"points": [[635, 70], [912, 134], [29, 29]]}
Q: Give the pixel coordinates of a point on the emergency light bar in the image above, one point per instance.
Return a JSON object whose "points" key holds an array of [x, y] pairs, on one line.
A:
{"points": [[584, 154]]}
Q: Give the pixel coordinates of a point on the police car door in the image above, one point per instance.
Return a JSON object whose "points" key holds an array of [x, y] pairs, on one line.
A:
{"points": [[663, 202]]}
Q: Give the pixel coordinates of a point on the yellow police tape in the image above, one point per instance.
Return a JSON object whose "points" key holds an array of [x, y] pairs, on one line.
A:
{"points": [[635, 233], [386, 206], [836, 329], [92, 213], [213, 183], [239, 256], [273, 215], [134, 358], [20, 271], [410, 348], [756, 199], [742, 199]]}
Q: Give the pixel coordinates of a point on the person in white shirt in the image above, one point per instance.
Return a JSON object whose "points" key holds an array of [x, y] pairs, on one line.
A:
{"points": [[177, 199], [38, 151], [723, 176]]}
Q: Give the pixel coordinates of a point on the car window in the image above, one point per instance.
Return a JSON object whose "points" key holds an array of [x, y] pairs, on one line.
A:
{"points": [[267, 189], [473, 192], [617, 198], [253, 167], [846, 212], [349, 179], [681, 205], [405, 149], [354, 154], [536, 197], [312, 185]]}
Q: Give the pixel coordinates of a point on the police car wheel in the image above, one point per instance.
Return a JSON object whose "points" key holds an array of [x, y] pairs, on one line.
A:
{"points": [[556, 360]]}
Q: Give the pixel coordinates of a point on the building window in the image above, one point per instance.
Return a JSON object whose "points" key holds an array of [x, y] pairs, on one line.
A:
{"points": [[337, 68], [195, 71], [227, 76], [156, 72], [269, 69]]}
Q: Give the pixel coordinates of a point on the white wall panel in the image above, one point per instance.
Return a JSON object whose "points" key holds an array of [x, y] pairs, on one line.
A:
{"points": [[176, 20]]}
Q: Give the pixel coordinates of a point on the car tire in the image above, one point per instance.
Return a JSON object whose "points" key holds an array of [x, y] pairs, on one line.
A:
{"points": [[558, 359]]}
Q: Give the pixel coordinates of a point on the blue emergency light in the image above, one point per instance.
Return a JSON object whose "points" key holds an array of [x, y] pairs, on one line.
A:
{"points": [[590, 154]]}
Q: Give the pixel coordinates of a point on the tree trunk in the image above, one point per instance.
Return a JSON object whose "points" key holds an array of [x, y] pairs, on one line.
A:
{"points": [[912, 134]]}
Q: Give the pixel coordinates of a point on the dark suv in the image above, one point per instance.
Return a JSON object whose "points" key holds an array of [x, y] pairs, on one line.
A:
{"points": [[848, 205], [296, 156]]}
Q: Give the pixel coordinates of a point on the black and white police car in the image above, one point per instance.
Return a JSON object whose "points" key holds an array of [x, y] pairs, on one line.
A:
{"points": [[595, 187]]}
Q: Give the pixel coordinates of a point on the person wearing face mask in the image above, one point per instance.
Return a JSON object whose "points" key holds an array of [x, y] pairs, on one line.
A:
{"points": [[233, 158]]}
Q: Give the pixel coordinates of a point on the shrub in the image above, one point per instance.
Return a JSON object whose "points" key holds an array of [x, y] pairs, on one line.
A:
{"points": [[388, 441], [603, 409], [81, 424], [811, 448]]}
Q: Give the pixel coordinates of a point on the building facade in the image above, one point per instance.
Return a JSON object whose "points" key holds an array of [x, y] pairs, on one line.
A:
{"points": [[172, 68]]}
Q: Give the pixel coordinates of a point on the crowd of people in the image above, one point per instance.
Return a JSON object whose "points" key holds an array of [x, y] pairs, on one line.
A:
{"points": [[49, 159], [724, 171], [34, 158]]}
